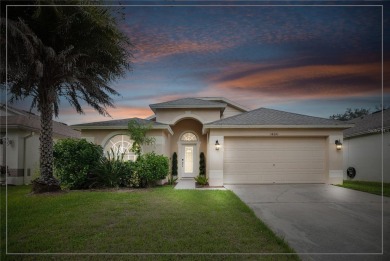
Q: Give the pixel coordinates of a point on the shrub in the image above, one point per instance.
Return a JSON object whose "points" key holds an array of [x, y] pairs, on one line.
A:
{"points": [[112, 171], [201, 180], [74, 160], [152, 167], [174, 164], [202, 164]]}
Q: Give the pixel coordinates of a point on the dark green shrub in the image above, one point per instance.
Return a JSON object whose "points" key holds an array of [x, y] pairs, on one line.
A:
{"points": [[112, 171], [201, 180], [152, 167], [174, 164], [202, 164], [74, 161]]}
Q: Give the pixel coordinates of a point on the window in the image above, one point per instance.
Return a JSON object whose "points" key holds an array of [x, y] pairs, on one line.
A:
{"points": [[120, 144], [188, 137]]}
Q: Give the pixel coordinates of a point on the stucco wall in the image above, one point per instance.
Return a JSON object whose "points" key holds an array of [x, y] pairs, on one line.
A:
{"points": [[16, 156], [230, 111], [364, 153], [171, 116]]}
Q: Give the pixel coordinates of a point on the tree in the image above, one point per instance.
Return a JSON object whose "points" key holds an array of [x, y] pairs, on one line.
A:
{"points": [[174, 164], [137, 131], [350, 114], [202, 164], [68, 52]]}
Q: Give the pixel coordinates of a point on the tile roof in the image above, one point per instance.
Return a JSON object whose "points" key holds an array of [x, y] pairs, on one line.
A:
{"points": [[270, 117], [369, 124], [188, 103], [115, 123]]}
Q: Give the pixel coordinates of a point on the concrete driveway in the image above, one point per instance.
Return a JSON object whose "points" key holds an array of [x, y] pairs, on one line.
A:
{"points": [[320, 218]]}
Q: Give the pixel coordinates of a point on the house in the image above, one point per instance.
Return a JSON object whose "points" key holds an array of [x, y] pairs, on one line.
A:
{"points": [[19, 143], [241, 146], [363, 148]]}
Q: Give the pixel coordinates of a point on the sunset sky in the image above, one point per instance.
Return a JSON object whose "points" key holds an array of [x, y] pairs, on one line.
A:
{"points": [[314, 60]]}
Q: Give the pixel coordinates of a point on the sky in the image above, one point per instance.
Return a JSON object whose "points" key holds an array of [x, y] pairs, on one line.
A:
{"points": [[313, 60]]}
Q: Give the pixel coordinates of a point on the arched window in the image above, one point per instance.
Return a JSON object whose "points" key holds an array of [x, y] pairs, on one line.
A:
{"points": [[120, 144], [188, 137]]}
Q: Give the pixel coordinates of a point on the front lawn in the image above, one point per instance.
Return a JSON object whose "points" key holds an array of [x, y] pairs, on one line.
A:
{"points": [[158, 220], [367, 186]]}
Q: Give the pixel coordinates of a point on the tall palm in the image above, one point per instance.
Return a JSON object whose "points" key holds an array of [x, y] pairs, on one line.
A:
{"points": [[75, 55]]}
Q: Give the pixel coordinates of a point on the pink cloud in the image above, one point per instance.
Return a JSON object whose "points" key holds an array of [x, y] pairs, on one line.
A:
{"points": [[310, 81], [153, 45]]}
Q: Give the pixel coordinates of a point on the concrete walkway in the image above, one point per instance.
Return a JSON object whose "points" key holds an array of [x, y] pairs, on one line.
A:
{"points": [[185, 184], [340, 223]]}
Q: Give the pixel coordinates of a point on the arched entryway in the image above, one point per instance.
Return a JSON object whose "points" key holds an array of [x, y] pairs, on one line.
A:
{"points": [[188, 142]]}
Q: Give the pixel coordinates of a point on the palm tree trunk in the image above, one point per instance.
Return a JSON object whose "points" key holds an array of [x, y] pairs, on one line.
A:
{"points": [[47, 182], [46, 141]]}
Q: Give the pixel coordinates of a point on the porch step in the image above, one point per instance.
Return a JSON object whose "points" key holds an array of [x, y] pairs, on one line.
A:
{"points": [[185, 184]]}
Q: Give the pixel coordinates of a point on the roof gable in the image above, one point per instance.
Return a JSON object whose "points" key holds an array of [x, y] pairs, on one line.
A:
{"points": [[188, 103]]}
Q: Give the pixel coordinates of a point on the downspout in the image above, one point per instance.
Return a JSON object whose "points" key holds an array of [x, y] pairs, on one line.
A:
{"points": [[25, 154]]}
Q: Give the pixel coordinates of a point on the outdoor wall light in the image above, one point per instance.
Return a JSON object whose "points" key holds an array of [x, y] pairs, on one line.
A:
{"points": [[6, 141], [217, 145], [339, 145]]}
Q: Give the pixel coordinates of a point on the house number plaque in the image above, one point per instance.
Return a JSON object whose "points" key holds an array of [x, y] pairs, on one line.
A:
{"points": [[274, 134]]}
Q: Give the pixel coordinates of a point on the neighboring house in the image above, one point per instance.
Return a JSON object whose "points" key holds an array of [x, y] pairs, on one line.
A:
{"points": [[363, 147], [19, 143], [241, 146]]}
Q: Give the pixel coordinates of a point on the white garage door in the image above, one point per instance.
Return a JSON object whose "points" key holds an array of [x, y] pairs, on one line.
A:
{"points": [[274, 160]]}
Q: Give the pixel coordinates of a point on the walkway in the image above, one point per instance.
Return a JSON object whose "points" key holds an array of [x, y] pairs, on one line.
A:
{"points": [[185, 184]]}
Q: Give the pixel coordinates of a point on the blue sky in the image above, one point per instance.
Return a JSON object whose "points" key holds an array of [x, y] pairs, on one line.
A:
{"points": [[315, 60]]}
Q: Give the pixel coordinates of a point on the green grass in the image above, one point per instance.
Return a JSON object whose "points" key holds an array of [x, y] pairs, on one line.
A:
{"points": [[367, 186], [158, 220]]}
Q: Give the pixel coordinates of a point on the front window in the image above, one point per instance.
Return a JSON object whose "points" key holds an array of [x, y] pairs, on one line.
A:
{"points": [[120, 144], [188, 137]]}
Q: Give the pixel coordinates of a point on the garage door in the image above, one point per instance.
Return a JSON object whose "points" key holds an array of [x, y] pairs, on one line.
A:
{"points": [[274, 160]]}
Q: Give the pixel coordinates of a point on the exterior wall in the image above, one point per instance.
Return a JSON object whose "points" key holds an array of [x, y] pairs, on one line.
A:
{"points": [[215, 160], [364, 153], [333, 158], [230, 111], [16, 155], [31, 157], [171, 116]]}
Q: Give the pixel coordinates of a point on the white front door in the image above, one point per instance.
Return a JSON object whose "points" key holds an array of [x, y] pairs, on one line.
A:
{"points": [[188, 161]]}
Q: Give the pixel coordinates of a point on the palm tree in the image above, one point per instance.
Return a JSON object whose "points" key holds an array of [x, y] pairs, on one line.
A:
{"points": [[75, 55]]}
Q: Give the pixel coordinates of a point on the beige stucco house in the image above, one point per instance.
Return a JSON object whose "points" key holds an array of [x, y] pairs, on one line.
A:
{"points": [[367, 147], [19, 143], [241, 146]]}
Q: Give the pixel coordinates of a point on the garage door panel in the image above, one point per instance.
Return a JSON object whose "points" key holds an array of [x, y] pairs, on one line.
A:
{"points": [[274, 160]]}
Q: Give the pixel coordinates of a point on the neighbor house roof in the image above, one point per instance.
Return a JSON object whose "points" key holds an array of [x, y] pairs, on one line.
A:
{"points": [[263, 117], [369, 124], [120, 124], [188, 103], [31, 122]]}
